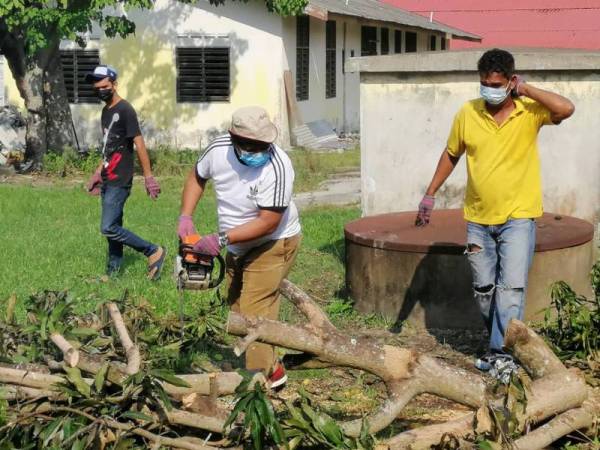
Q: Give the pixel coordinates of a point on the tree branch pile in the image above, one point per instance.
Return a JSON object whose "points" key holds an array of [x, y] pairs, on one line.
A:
{"points": [[554, 392], [96, 377], [97, 391]]}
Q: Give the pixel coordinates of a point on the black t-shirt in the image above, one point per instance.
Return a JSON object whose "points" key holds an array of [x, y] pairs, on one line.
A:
{"points": [[119, 127]]}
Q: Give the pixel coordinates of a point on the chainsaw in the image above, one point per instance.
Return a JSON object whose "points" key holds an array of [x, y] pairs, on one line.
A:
{"points": [[194, 270]]}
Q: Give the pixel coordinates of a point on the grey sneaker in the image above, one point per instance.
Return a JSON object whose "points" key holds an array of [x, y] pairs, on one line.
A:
{"points": [[485, 362], [503, 368]]}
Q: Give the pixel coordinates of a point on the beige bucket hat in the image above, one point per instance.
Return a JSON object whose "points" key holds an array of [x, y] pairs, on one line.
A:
{"points": [[252, 122]]}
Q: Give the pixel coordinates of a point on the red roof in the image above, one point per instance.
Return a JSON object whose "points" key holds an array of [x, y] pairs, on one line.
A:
{"points": [[516, 23]]}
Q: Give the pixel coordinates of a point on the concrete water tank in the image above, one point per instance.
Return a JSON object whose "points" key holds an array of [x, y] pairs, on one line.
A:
{"points": [[422, 275]]}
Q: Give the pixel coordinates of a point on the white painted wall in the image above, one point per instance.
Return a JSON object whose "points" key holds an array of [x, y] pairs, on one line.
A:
{"points": [[406, 118], [343, 111], [147, 71], [263, 45]]}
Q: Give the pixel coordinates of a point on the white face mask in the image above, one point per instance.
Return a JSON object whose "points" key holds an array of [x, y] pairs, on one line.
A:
{"points": [[494, 96]]}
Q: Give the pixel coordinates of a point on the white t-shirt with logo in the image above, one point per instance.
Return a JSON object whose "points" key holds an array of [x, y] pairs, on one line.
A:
{"points": [[242, 190]]}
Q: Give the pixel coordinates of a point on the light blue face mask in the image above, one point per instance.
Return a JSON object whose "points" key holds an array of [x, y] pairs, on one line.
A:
{"points": [[254, 159], [493, 96]]}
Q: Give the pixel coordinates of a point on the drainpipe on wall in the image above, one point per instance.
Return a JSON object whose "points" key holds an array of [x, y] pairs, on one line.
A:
{"points": [[345, 128]]}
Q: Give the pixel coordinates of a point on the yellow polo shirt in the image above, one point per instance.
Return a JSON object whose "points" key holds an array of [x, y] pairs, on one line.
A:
{"points": [[502, 161]]}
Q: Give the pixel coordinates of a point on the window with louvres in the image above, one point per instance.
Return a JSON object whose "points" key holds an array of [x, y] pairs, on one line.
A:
{"points": [[203, 74]]}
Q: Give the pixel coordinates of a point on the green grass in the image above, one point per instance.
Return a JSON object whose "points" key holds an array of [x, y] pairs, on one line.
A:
{"points": [[51, 240], [312, 168]]}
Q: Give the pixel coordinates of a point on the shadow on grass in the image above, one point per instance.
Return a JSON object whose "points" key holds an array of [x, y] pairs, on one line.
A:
{"points": [[336, 249]]}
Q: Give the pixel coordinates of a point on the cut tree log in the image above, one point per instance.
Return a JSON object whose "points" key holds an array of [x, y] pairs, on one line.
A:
{"points": [[70, 353], [19, 393], [429, 436], [580, 418], [132, 351], [407, 373], [554, 393]]}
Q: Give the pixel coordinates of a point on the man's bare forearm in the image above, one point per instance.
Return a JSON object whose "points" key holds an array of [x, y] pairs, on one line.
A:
{"points": [[560, 107], [192, 192], [140, 148], [445, 166]]}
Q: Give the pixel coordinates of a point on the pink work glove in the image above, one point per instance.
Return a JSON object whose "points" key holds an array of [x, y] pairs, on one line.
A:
{"points": [[185, 227], [208, 245], [152, 187], [519, 83], [425, 209], [93, 186]]}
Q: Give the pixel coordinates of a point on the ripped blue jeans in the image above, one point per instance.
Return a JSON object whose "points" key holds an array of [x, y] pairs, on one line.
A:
{"points": [[500, 257]]}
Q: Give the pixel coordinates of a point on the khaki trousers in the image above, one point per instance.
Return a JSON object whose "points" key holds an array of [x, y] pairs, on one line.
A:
{"points": [[253, 282]]}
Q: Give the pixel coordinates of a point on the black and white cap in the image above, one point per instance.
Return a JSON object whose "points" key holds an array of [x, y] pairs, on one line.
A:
{"points": [[100, 73]]}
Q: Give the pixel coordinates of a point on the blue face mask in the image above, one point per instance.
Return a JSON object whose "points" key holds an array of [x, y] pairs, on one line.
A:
{"points": [[493, 96], [254, 159]]}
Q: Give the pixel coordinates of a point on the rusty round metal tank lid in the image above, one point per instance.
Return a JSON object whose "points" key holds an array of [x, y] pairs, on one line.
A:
{"points": [[447, 232]]}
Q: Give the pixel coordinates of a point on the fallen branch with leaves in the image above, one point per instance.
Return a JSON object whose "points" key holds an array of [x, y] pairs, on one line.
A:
{"points": [[105, 393]]}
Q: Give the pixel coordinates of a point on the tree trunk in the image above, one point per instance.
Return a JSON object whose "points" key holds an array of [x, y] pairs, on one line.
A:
{"points": [[59, 122], [38, 77]]}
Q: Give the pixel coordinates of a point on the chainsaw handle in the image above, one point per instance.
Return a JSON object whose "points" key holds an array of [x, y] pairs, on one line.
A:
{"points": [[215, 283]]}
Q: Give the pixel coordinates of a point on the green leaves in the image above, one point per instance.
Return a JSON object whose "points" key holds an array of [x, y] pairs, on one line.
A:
{"points": [[306, 425], [169, 377], [100, 378], [74, 376], [303, 424], [572, 322], [260, 419], [287, 7], [148, 385]]}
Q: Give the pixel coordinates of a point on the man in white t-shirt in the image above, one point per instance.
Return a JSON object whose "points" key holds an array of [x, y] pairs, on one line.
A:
{"points": [[258, 221]]}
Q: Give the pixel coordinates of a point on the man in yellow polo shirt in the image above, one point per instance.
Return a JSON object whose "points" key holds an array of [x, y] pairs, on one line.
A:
{"points": [[498, 132]]}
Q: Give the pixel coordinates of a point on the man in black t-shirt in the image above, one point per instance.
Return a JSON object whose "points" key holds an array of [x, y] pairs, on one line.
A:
{"points": [[113, 178]]}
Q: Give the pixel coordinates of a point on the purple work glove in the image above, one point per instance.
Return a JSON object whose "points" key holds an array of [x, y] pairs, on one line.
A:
{"points": [[93, 186], [425, 209], [152, 187], [208, 245], [519, 83], [185, 227]]}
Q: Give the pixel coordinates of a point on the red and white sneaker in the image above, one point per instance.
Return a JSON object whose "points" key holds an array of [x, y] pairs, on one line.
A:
{"points": [[278, 376]]}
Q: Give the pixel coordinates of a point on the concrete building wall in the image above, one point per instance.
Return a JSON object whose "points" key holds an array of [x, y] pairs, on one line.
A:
{"points": [[146, 64], [343, 111], [407, 108], [262, 45]]}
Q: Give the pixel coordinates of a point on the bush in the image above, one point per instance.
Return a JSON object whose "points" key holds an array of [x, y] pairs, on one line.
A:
{"points": [[572, 322], [165, 162], [70, 163]]}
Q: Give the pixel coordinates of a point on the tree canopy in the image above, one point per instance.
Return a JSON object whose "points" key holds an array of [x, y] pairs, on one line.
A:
{"points": [[39, 22]]}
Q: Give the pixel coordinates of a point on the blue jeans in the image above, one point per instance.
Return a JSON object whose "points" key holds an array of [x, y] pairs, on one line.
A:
{"points": [[111, 227], [500, 258]]}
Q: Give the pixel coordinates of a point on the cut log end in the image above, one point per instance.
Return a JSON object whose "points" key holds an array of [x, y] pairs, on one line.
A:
{"points": [[70, 353]]}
